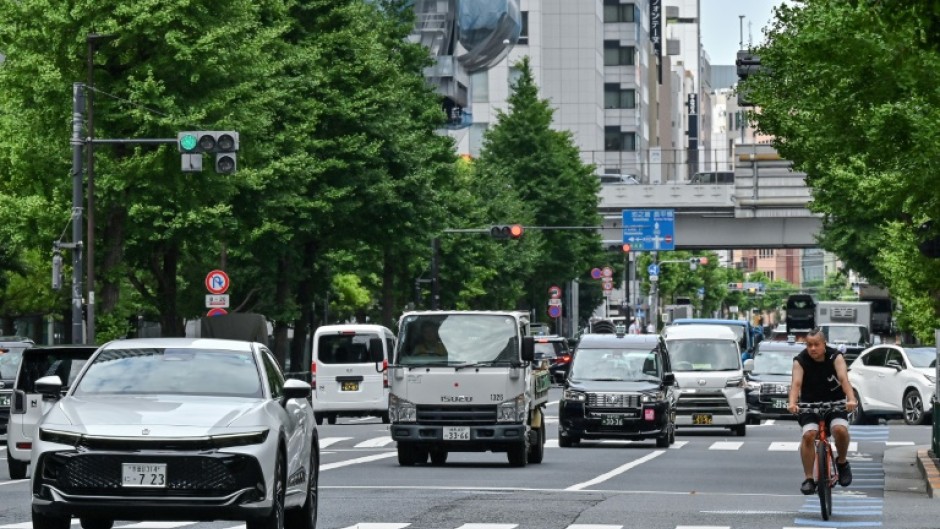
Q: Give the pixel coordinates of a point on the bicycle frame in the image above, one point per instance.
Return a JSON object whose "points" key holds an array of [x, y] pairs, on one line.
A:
{"points": [[825, 472]]}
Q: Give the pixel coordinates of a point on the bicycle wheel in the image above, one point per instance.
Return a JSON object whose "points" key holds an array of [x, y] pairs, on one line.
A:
{"points": [[823, 483]]}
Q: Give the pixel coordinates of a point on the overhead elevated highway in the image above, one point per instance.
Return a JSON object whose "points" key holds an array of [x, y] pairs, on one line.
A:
{"points": [[766, 207]]}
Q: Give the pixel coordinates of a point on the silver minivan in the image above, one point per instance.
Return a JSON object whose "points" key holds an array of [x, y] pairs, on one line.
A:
{"points": [[349, 371]]}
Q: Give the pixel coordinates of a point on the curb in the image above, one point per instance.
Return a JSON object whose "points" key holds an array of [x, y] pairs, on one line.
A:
{"points": [[929, 468]]}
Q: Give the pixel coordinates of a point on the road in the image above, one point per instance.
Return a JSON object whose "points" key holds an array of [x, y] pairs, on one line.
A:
{"points": [[708, 480]]}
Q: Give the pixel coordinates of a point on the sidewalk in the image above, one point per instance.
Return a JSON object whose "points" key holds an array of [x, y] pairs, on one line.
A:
{"points": [[912, 469], [930, 468]]}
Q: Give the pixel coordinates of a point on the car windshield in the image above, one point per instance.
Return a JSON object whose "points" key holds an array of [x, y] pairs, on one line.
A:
{"points": [[345, 348], [773, 363], [846, 334], [922, 356], [9, 363], [458, 339], [616, 364], [171, 371], [704, 355]]}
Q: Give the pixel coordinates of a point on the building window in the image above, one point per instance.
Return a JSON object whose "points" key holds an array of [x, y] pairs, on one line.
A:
{"points": [[616, 55], [764, 252], [480, 86], [616, 97], [617, 140], [615, 12], [524, 32]]}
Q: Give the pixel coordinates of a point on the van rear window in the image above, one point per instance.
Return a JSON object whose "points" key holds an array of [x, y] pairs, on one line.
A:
{"points": [[344, 348]]}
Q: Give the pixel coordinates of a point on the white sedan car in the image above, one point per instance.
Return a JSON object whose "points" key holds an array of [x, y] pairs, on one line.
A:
{"points": [[895, 380], [177, 429]]}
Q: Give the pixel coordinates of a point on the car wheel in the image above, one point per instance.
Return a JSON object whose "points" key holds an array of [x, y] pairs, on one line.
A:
{"points": [[438, 457], [858, 416], [96, 523], [385, 417], [319, 419], [739, 430], [672, 434], [17, 468], [306, 516], [275, 519], [331, 419], [537, 450], [914, 408], [47, 521], [662, 441], [518, 454]]}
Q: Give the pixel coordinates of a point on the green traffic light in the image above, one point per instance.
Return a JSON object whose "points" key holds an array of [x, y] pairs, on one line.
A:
{"points": [[188, 142]]}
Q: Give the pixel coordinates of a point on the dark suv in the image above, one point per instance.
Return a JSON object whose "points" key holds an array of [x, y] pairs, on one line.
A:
{"points": [[620, 386], [554, 349], [11, 351], [768, 380]]}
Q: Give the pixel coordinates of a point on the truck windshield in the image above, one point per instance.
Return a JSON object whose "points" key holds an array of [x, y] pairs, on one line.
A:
{"points": [[846, 334], [458, 339], [704, 355]]}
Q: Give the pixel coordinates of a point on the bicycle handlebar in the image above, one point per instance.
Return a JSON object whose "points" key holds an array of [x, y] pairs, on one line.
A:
{"points": [[822, 407]]}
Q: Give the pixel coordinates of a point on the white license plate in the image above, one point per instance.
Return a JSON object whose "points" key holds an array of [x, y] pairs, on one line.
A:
{"points": [[152, 475], [456, 433], [779, 403], [612, 420]]}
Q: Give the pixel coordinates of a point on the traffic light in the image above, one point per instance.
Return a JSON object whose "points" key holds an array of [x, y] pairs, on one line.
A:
{"points": [[747, 64], [620, 248], [506, 231], [224, 144], [56, 270], [695, 261]]}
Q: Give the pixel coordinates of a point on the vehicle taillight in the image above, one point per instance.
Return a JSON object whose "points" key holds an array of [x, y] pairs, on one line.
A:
{"points": [[384, 373], [313, 375], [566, 358]]}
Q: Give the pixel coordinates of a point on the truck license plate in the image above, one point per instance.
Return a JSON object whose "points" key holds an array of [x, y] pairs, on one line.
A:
{"points": [[143, 475], [350, 386], [456, 433], [612, 420], [701, 419]]}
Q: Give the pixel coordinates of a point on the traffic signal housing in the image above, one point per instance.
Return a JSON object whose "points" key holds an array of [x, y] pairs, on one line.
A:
{"points": [[695, 261], [506, 231], [747, 64], [222, 143], [619, 247]]}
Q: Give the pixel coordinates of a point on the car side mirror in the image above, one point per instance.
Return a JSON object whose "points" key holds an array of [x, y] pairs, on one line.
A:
{"points": [[293, 389], [669, 379], [749, 365], [50, 386], [528, 348], [376, 352], [895, 364]]}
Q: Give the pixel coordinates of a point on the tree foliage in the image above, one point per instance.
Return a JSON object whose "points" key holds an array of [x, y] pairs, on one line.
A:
{"points": [[849, 93]]}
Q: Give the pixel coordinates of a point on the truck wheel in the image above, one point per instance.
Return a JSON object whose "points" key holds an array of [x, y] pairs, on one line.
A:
{"points": [[739, 429], [537, 450], [17, 468], [406, 455], [438, 457], [319, 419], [518, 454], [662, 441], [331, 419], [566, 441]]}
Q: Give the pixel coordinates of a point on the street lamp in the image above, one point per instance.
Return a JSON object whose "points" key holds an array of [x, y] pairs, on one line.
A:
{"points": [[92, 40]]}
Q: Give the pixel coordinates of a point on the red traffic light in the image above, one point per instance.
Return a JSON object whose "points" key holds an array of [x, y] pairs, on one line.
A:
{"points": [[626, 248], [503, 231], [703, 260], [515, 231]]}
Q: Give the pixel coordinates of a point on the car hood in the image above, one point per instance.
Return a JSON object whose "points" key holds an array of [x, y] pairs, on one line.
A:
{"points": [[160, 416], [606, 386], [777, 379]]}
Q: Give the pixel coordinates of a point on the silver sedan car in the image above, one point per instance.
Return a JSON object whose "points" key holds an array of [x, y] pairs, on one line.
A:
{"points": [[177, 429]]}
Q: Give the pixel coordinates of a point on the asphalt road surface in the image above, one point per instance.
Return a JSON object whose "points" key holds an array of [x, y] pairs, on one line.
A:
{"points": [[709, 479]]}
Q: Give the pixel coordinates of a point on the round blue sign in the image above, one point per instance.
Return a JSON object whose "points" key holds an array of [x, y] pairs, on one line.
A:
{"points": [[554, 311], [653, 269]]}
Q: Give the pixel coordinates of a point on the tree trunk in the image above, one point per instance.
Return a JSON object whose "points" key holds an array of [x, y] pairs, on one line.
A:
{"points": [[303, 326], [388, 289], [165, 272], [281, 295], [114, 236]]}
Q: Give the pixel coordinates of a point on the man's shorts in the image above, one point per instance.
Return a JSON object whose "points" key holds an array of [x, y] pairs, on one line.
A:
{"points": [[810, 421]]}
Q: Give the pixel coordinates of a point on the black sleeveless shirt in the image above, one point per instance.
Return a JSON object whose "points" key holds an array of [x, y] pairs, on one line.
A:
{"points": [[820, 382]]}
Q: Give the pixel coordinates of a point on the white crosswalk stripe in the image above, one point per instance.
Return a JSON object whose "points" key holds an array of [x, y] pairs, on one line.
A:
{"points": [[153, 525], [772, 446], [786, 446], [726, 445], [377, 442], [328, 441], [378, 526]]}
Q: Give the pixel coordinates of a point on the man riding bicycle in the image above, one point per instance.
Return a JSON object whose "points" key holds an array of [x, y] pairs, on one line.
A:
{"points": [[820, 375]]}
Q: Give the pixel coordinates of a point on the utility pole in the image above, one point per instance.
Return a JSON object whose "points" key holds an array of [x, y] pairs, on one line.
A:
{"points": [[435, 279], [78, 105]]}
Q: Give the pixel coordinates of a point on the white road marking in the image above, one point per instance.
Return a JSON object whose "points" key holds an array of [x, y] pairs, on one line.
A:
{"points": [[678, 444], [14, 482], [899, 443], [703, 527], [769, 422], [327, 441], [617, 471], [552, 403], [242, 526], [593, 526], [784, 446], [378, 526], [489, 526], [551, 443], [153, 525], [375, 443], [356, 461], [726, 445]]}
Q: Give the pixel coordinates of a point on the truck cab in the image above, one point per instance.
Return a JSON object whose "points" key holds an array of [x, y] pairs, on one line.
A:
{"points": [[466, 381]]}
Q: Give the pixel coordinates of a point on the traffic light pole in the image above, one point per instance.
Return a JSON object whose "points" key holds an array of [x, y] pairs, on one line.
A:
{"points": [[78, 106]]}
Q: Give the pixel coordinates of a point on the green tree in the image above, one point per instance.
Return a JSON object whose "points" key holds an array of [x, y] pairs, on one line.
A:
{"points": [[849, 93]]}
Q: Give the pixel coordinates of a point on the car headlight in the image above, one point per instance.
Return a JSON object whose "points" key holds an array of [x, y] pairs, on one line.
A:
{"points": [[238, 439], [401, 410], [60, 437], [653, 397], [513, 410], [577, 396]]}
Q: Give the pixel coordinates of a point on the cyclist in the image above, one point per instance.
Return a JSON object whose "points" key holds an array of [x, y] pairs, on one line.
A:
{"points": [[820, 375]]}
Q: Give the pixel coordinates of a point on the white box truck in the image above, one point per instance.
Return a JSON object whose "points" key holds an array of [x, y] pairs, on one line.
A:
{"points": [[846, 323], [466, 381]]}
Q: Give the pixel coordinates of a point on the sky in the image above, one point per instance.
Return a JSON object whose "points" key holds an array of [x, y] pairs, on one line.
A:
{"points": [[721, 26]]}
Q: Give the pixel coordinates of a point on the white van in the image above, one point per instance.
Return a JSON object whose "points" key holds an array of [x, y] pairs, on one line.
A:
{"points": [[706, 360], [349, 376]]}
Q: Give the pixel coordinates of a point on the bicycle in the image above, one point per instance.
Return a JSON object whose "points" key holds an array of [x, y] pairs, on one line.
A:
{"points": [[825, 462]]}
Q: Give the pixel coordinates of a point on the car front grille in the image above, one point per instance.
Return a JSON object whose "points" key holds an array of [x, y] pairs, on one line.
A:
{"points": [[462, 415], [713, 402], [613, 400], [769, 389], [207, 474]]}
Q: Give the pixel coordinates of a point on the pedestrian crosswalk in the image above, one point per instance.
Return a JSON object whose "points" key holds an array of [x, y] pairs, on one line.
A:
{"points": [[865, 512]]}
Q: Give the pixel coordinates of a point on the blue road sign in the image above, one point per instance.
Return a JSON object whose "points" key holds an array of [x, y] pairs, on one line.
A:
{"points": [[653, 269], [649, 229]]}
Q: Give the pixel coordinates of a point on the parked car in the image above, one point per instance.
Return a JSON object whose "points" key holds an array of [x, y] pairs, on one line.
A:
{"points": [[555, 350], [620, 386], [28, 407], [11, 351], [176, 429], [768, 380], [894, 380], [623, 179]]}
